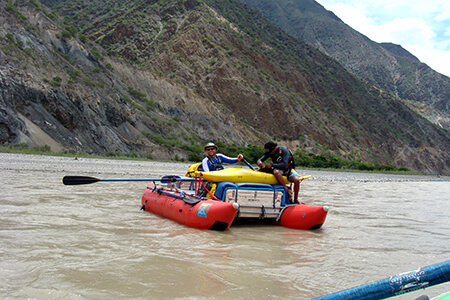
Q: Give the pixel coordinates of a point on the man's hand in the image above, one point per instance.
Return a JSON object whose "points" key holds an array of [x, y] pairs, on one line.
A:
{"points": [[260, 164]]}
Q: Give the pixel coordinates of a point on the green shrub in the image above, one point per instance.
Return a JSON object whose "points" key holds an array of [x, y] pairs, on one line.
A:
{"points": [[109, 66], [9, 37], [56, 81], [20, 146], [135, 93], [43, 149]]}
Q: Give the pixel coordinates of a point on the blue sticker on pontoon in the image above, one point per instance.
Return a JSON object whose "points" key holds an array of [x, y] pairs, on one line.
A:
{"points": [[203, 210]]}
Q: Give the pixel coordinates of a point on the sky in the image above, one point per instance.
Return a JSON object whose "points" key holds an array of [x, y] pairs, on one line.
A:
{"points": [[421, 27]]}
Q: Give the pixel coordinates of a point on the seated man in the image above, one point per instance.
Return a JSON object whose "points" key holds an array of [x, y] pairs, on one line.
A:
{"points": [[213, 161], [282, 165]]}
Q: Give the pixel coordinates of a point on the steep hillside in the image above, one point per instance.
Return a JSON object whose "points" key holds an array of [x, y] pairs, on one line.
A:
{"points": [[160, 76], [387, 66], [84, 101]]}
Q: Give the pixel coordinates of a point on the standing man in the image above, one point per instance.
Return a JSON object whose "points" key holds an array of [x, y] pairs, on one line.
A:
{"points": [[282, 165], [213, 161]]}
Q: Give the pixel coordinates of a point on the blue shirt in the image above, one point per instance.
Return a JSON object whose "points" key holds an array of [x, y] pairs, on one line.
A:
{"points": [[208, 166]]}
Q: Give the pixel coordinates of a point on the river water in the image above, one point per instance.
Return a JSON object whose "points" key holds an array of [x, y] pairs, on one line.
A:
{"points": [[93, 241]]}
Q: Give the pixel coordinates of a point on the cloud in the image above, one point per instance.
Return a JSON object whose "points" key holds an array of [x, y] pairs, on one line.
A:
{"points": [[412, 31], [444, 13], [421, 27]]}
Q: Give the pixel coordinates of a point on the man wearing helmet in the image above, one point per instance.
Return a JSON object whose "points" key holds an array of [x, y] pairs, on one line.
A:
{"points": [[282, 165], [213, 160]]}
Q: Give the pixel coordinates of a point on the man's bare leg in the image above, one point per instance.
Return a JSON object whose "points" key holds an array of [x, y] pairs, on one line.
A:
{"points": [[296, 182], [281, 181]]}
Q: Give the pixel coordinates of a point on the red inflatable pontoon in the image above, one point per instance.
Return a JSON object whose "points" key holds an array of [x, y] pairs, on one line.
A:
{"points": [[303, 216], [189, 211]]}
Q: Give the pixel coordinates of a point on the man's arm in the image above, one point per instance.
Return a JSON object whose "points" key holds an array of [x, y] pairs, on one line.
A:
{"points": [[205, 164], [260, 161], [227, 159]]}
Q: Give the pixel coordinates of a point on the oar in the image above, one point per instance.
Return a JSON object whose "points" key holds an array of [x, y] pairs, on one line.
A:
{"points": [[248, 164], [187, 199], [76, 180]]}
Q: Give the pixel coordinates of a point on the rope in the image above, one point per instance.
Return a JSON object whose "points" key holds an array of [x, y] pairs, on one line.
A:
{"points": [[204, 186]]}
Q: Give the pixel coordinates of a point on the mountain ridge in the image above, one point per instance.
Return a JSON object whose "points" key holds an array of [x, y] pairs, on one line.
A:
{"points": [[200, 71], [395, 70]]}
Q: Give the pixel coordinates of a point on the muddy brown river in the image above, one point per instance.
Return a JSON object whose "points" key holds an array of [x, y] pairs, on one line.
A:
{"points": [[93, 241]]}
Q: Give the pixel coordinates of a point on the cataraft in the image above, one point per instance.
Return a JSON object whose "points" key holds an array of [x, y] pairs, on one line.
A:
{"points": [[215, 200]]}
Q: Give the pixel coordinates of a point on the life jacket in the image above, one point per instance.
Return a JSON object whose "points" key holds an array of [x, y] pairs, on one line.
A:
{"points": [[210, 185], [291, 163], [278, 158], [218, 166]]}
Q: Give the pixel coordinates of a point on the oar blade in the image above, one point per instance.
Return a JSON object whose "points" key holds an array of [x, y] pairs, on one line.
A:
{"points": [[77, 180]]}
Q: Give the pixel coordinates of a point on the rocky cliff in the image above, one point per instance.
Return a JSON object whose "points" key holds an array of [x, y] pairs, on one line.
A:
{"points": [[163, 77]]}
